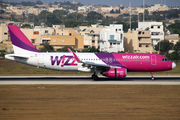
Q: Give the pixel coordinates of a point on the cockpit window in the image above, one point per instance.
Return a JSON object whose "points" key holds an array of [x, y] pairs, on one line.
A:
{"points": [[165, 59]]}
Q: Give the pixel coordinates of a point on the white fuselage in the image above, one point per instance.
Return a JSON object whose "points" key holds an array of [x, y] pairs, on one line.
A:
{"points": [[56, 61]]}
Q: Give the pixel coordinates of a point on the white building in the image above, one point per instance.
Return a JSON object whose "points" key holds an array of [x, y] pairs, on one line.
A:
{"points": [[86, 8], [111, 39], [155, 28]]}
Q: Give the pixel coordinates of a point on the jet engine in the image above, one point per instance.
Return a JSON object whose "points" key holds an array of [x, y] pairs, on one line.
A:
{"points": [[115, 72]]}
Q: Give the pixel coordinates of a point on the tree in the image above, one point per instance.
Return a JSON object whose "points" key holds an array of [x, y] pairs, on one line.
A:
{"points": [[93, 16], [91, 23], [134, 18], [107, 20], [90, 49], [39, 2], [75, 16], [65, 49], [174, 56], [112, 11], [28, 3], [24, 16], [2, 53], [119, 18], [50, 16], [165, 46], [47, 47], [54, 21], [50, 4], [60, 12], [2, 11], [43, 14], [71, 24], [13, 17], [134, 25], [174, 28], [55, 3], [177, 46], [172, 15]]}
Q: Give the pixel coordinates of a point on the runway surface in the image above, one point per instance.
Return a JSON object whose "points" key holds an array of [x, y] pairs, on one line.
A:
{"points": [[78, 80]]}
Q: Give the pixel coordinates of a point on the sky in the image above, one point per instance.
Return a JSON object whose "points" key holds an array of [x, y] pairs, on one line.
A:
{"points": [[112, 2]]}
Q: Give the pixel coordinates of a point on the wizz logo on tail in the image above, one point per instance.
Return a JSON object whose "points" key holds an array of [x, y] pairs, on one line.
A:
{"points": [[63, 60]]}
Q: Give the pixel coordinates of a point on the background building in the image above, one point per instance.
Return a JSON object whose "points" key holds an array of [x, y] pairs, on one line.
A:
{"points": [[111, 39], [91, 35], [173, 38], [3, 32], [58, 38], [138, 41], [155, 28]]}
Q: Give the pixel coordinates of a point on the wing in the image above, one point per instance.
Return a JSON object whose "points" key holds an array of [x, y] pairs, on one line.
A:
{"points": [[90, 64], [96, 64]]}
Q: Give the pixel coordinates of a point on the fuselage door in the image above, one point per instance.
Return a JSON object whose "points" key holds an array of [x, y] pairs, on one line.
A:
{"points": [[153, 59], [40, 60]]}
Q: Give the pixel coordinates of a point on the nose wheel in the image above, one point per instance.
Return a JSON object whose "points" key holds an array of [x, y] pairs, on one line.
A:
{"points": [[152, 76]]}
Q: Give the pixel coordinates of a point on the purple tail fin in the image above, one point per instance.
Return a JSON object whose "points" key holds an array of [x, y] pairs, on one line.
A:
{"points": [[20, 42]]}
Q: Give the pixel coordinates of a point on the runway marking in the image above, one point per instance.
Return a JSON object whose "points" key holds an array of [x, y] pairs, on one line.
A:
{"points": [[87, 80]]}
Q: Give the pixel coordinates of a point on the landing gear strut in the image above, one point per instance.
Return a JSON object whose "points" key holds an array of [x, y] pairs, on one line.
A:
{"points": [[95, 77], [152, 76]]}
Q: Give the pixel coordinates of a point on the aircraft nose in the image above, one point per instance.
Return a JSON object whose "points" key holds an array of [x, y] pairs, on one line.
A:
{"points": [[173, 65]]}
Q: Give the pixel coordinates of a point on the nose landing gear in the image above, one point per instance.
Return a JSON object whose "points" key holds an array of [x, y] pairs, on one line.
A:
{"points": [[152, 76]]}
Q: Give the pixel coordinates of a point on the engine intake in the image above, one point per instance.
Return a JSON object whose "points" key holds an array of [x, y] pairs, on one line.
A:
{"points": [[115, 72]]}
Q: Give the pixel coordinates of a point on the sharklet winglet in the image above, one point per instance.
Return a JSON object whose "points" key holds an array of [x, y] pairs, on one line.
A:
{"points": [[69, 50], [76, 57]]}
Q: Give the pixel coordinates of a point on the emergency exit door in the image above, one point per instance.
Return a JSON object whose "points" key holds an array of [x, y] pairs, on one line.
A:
{"points": [[153, 59]]}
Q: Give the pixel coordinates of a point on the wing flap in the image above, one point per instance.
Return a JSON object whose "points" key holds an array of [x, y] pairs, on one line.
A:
{"points": [[96, 64]]}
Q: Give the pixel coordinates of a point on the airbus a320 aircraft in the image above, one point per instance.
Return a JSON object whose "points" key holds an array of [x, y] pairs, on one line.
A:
{"points": [[115, 65]]}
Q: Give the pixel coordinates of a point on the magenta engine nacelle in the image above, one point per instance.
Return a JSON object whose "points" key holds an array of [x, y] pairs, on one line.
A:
{"points": [[116, 72]]}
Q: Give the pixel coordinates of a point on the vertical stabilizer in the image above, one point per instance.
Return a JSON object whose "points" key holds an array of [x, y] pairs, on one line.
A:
{"points": [[20, 42]]}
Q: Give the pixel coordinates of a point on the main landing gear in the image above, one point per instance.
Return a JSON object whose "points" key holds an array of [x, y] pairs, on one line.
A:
{"points": [[95, 77], [152, 76]]}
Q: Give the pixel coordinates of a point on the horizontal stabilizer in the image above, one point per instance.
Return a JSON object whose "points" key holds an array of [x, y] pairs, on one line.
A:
{"points": [[19, 56]]}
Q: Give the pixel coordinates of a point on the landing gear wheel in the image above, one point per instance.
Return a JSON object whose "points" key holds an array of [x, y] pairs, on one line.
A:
{"points": [[95, 78], [152, 76]]}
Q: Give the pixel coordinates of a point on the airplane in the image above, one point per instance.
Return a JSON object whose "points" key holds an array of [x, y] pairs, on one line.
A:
{"points": [[114, 65]]}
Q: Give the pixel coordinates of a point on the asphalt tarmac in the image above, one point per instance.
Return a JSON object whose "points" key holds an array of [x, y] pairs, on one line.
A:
{"points": [[80, 80]]}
